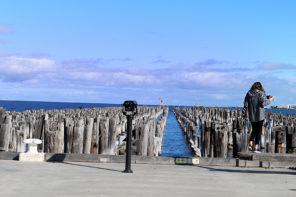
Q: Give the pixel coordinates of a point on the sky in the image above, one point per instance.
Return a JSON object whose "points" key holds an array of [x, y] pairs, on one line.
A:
{"points": [[189, 52]]}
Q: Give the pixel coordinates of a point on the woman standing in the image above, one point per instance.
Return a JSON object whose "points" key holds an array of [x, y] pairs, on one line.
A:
{"points": [[254, 104]]}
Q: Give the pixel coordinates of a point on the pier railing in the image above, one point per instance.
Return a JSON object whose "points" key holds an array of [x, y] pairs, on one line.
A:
{"points": [[221, 132], [84, 131]]}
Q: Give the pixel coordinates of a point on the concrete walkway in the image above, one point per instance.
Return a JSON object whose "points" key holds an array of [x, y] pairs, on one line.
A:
{"points": [[99, 179]]}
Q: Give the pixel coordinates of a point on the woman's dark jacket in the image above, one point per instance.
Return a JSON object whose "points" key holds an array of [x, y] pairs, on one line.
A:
{"points": [[254, 103]]}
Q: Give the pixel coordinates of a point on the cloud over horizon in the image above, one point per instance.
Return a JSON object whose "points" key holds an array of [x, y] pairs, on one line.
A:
{"points": [[94, 78], [276, 66], [14, 69]]}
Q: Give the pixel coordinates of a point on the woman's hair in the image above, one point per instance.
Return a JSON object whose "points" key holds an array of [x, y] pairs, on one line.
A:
{"points": [[257, 85]]}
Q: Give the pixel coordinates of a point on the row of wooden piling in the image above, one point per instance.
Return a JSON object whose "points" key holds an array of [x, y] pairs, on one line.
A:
{"points": [[221, 132], [83, 131]]}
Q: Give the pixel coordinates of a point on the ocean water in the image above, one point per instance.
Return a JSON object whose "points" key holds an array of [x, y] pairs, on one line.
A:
{"points": [[21, 106], [174, 143], [283, 111]]}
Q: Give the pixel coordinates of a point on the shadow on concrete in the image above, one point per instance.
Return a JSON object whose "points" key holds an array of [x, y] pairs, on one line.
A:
{"points": [[248, 171], [9, 155], [16, 157], [57, 157], [95, 167]]}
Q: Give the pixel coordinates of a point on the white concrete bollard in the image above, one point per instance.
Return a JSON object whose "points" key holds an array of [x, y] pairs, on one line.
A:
{"points": [[32, 145], [31, 153]]}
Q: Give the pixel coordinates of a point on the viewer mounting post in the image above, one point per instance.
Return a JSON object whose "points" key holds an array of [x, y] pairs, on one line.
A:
{"points": [[129, 108]]}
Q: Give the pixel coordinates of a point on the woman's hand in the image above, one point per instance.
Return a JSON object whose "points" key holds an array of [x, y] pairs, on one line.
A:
{"points": [[271, 99]]}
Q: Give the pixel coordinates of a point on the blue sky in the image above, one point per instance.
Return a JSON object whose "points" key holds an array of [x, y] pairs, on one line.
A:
{"points": [[187, 52]]}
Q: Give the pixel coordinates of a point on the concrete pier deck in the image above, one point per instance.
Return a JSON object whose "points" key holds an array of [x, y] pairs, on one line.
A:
{"points": [[106, 179]]}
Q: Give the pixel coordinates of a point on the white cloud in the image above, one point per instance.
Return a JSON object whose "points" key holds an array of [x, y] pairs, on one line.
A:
{"points": [[19, 65], [84, 76], [135, 79], [275, 66], [14, 68], [85, 73], [89, 78], [216, 80]]}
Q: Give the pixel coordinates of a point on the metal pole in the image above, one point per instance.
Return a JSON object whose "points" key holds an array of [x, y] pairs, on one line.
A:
{"points": [[128, 145]]}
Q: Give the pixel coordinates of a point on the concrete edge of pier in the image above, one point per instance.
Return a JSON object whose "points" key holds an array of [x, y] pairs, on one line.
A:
{"points": [[274, 157], [245, 159], [65, 157], [267, 160]]}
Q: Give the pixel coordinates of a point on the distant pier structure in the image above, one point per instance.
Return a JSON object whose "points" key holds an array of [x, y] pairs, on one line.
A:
{"points": [[221, 132], [84, 130], [210, 132], [286, 106]]}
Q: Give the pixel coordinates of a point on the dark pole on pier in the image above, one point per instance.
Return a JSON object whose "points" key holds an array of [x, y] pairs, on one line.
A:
{"points": [[128, 145], [129, 109]]}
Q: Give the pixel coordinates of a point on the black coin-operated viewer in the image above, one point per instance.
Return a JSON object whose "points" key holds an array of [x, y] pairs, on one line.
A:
{"points": [[129, 108]]}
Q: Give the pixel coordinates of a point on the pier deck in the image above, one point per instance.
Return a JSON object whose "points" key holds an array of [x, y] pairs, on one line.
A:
{"points": [[106, 179]]}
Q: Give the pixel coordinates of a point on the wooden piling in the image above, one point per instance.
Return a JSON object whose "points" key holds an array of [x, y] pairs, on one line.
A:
{"points": [[104, 127], [78, 137], [5, 133], [88, 135]]}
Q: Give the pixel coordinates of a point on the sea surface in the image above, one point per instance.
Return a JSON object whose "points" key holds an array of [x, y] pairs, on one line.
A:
{"points": [[174, 143], [21, 106]]}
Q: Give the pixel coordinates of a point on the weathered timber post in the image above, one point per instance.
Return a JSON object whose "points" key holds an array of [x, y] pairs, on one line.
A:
{"points": [[151, 138], [112, 136], [48, 140], [39, 125], [263, 138], [104, 127], [273, 140], [5, 133], [289, 137], [88, 135], [230, 139], [55, 138], [208, 138], [69, 136], [237, 137], [95, 137], [144, 139], [78, 137], [280, 139], [59, 144], [293, 140], [220, 140], [203, 152]]}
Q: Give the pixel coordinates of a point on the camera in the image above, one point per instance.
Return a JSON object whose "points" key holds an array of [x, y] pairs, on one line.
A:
{"points": [[268, 96], [130, 108]]}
